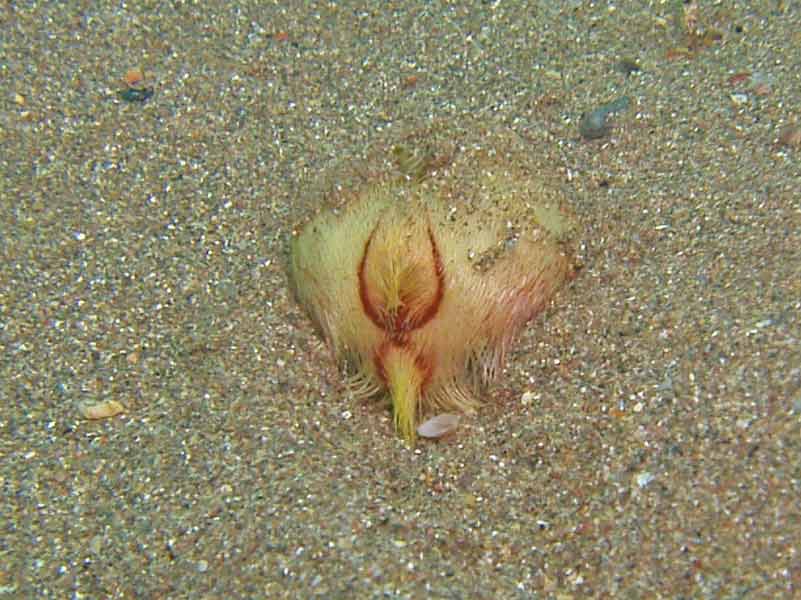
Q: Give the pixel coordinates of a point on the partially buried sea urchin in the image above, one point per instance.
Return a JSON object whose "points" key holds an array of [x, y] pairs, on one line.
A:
{"points": [[420, 278]]}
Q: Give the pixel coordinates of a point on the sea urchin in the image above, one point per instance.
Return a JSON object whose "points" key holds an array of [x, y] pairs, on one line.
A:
{"points": [[420, 280]]}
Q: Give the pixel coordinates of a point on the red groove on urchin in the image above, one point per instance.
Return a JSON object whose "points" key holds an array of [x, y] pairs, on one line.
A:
{"points": [[425, 365], [367, 306], [378, 360], [439, 272]]}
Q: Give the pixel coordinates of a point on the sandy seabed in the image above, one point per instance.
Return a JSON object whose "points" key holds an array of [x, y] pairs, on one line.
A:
{"points": [[644, 438]]}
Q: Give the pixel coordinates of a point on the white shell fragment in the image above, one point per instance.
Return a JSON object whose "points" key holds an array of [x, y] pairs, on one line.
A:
{"points": [[100, 410], [438, 426], [644, 478]]}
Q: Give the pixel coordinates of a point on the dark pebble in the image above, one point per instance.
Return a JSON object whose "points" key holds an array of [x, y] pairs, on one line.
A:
{"points": [[136, 94]]}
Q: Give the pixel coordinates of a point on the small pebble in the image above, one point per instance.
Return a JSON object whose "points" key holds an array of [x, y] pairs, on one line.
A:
{"points": [[136, 94], [627, 66], [593, 124], [134, 78], [100, 410], [790, 135], [739, 99]]}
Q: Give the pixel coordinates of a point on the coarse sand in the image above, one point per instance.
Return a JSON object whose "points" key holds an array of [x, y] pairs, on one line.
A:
{"points": [[643, 440]]}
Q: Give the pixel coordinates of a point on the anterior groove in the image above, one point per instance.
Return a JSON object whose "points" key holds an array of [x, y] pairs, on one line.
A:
{"points": [[402, 323]]}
